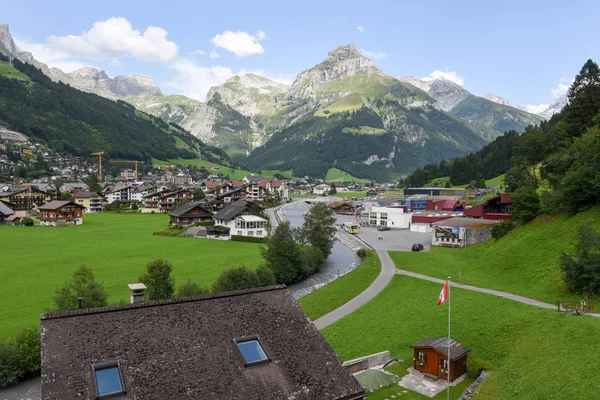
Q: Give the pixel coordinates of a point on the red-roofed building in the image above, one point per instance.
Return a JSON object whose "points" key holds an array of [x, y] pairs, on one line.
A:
{"points": [[496, 208]]}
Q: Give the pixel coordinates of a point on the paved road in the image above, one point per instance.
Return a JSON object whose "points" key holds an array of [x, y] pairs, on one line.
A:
{"points": [[28, 390], [388, 270], [510, 296]]}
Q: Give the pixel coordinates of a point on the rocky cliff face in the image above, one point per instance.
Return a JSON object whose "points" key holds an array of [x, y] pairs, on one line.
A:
{"points": [[555, 107], [446, 93], [501, 100], [6, 39]]}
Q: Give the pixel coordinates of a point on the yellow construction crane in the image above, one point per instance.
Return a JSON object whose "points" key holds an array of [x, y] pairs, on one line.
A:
{"points": [[130, 161], [99, 154]]}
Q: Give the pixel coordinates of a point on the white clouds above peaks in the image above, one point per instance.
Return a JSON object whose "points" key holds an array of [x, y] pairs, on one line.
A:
{"points": [[563, 87], [240, 43], [450, 75], [194, 81], [361, 29], [376, 55], [115, 38]]}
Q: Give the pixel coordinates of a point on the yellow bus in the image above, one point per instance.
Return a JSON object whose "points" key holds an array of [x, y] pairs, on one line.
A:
{"points": [[351, 227]]}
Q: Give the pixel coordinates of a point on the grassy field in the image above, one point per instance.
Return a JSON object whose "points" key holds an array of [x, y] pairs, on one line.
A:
{"points": [[337, 175], [531, 353], [229, 172], [342, 290], [7, 70], [524, 262], [37, 260], [351, 102]]}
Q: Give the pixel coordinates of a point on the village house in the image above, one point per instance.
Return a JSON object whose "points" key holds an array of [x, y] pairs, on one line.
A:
{"points": [[25, 198], [190, 213], [71, 187], [121, 193], [91, 201], [431, 357], [241, 220], [59, 213], [321, 189], [138, 192], [168, 200], [342, 207], [233, 345], [182, 180]]}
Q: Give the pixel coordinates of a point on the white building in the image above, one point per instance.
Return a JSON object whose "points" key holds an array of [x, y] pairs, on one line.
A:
{"points": [[393, 217], [138, 193], [117, 193], [241, 221], [321, 189]]}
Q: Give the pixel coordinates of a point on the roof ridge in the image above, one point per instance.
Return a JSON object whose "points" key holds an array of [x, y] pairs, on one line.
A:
{"points": [[156, 303]]}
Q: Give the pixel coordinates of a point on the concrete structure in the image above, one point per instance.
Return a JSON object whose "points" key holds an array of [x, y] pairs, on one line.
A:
{"points": [[463, 193], [392, 217], [321, 189], [461, 232]]}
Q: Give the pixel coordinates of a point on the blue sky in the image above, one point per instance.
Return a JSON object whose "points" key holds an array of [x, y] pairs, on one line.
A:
{"points": [[521, 50]]}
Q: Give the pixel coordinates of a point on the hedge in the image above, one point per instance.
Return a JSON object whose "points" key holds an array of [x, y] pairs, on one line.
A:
{"points": [[250, 239]]}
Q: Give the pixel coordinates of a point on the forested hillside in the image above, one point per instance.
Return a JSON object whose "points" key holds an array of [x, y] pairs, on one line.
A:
{"points": [[79, 123], [564, 151]]}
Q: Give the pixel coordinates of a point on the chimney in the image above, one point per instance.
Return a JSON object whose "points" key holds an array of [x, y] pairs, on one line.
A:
{"points": [[137, 291]]}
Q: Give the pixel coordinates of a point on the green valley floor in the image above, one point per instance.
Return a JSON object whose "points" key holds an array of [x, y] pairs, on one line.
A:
{"points": [[38, 260]]}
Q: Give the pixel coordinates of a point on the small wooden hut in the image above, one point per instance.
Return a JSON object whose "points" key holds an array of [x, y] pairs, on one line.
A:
{"points": [[431, 357]]}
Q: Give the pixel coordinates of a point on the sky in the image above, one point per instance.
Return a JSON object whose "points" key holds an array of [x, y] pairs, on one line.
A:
{"points": [[525, 51]]}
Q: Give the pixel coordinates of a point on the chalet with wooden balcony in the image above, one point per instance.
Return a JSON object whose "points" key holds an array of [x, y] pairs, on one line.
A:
{"points": [[60, 213]]}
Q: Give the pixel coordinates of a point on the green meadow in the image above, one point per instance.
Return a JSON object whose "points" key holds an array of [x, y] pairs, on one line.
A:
{"points": [[524, 262], [342, 290], [37, 260], [531, 353]]}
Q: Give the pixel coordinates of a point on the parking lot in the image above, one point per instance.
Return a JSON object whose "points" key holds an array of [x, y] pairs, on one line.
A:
{"points": [[395, 240]]}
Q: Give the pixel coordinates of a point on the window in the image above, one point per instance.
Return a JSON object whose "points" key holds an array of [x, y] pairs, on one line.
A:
{"points": [[258, 233], [108, 380], [251, 350]]}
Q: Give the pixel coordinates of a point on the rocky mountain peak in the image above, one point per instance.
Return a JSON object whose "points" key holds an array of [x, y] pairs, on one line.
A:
{"points": [[6, 39], [501, 100], [446, 93], [342, 53], [88, 73]]}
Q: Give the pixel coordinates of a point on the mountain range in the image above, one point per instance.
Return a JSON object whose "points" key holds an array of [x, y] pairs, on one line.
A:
{"points": [[344, 112]]}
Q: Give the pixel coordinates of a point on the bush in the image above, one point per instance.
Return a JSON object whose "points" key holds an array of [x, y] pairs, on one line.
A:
{"points": [[26, 221], [582, 271], [205, 223], [190, 289], [362, 253], [84, 286], [249, 239], [525, 204], [20, 359], [236, 279], [266, 277], [311, 260], [158, 280], [501, 229]]}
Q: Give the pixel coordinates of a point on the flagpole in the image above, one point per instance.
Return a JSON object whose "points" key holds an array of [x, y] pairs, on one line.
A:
{"points": [[448, 369]]}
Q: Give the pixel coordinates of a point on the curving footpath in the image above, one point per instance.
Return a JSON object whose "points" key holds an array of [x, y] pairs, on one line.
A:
{"points": [[388, 270]]}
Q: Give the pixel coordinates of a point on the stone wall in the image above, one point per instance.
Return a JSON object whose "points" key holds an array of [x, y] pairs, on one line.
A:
{"points": [[471, 391]]}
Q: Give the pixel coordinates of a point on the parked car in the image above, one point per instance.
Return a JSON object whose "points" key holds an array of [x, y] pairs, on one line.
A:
{"points": [[383, 228], [417, 247]]}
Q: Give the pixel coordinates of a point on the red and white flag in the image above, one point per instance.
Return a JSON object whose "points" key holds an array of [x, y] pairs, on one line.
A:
{"points": [[443, 295]]}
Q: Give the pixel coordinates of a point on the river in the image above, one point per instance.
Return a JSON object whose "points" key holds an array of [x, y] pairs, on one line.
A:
{"points": [[341, 260]]}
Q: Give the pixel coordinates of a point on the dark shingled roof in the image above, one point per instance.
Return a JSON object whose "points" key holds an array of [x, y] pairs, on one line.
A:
{"points": [[56, 204], [188, 207], [86, 195], [232, 211], [184, 348], [440, 345]]}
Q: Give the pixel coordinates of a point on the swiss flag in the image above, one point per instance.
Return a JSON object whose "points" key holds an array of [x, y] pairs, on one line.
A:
{"points": [[443, 295]]}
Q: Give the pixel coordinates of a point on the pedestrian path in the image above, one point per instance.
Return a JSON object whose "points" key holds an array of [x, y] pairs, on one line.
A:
{"points": [[388, 270]]}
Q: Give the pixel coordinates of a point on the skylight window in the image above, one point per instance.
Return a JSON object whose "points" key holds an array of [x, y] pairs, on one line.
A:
{"points": [[108, 379], [251, 350]]}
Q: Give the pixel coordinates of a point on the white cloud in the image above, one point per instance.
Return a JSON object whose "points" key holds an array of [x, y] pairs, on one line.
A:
{"points": [[214, 54], [562, 88], [112, 39], [375, 54], [450, 75], [536, 109], [194, 81], [361, 29], [115, 38], [240, 43], [200, 52]]}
